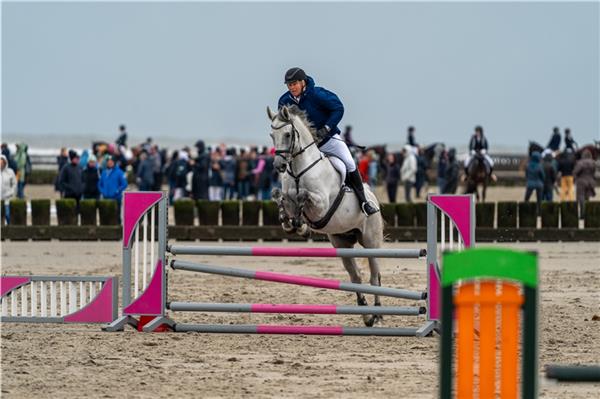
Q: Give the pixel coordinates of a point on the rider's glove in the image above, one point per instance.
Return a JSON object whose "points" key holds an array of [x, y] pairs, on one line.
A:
{"points": [[322, 132]]}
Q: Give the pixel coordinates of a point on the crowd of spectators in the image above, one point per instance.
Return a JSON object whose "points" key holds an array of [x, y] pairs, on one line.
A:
{"points": [[225, 173]]}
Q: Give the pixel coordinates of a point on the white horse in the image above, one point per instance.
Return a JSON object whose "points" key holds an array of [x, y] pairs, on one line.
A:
{"points": [[313, 197]]}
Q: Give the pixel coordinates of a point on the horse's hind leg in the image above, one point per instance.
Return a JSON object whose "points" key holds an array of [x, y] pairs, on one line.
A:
{"points": [[374, 240], [353, 271]]}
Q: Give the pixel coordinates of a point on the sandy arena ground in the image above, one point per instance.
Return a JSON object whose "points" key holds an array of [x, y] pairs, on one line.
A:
{"points": [[58, 361]]}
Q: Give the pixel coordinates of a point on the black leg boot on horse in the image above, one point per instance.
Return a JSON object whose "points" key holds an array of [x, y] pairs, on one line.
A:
{"points": [[354, 180]]}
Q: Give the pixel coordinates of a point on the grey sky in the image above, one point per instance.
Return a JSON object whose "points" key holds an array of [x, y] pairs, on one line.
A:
{"points": [[208, 70]]}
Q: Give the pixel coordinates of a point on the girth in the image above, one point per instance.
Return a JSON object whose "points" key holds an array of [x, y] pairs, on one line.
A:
{"points": [[321, 223]]}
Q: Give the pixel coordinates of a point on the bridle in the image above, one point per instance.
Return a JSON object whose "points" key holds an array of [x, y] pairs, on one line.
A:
{"points": [[291, 154]]}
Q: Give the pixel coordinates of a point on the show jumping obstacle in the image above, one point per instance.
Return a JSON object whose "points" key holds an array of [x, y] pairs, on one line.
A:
{"points": [[59, 299], [145, 285]]}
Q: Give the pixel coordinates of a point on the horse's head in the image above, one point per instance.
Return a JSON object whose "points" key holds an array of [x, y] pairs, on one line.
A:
{"points": [[290, 132]]}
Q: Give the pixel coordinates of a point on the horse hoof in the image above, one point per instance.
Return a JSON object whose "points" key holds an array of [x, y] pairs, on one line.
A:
{"points": [[373, 320], [303, 231], [288, 229]]}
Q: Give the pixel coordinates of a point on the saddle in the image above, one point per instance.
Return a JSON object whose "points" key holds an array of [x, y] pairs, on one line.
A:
{"points": [[321, 223]]}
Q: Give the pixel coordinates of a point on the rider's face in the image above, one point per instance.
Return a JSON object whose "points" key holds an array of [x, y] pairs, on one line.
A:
{"points": [[296, 87]]}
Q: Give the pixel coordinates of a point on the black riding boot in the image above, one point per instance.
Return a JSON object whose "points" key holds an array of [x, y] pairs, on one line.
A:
{"points": [[354, 180]]}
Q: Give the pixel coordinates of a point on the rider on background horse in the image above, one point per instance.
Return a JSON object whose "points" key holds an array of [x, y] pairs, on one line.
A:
{"points": [[325, 110], [479, 144]]}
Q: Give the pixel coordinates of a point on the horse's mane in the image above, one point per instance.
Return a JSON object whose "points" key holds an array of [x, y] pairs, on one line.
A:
{"points": [[296, 111]]}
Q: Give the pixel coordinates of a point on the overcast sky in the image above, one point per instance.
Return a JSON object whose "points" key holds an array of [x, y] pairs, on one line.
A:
{"points": [[208, 70]]}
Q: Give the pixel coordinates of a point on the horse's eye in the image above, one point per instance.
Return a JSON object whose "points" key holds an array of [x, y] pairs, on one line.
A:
{"points": [[287, 135]]}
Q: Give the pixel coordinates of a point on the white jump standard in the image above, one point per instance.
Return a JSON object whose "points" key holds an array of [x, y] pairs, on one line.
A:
{"points": [[145, 288]]}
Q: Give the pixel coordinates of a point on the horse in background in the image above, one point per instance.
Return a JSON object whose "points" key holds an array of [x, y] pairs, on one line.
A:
{"points": [[477, 176]]}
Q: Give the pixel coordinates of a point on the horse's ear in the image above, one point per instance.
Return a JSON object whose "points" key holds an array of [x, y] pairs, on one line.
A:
{"points": [[285, 113], [270, 113]]}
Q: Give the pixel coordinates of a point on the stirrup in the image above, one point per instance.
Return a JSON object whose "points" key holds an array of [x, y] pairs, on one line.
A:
{"points": [[369, 202]]}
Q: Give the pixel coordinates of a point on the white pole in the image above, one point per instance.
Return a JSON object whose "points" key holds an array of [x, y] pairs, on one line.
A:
{"points": [[92, 289], [443, 226], [152, 241], [52, 299], [145, 250], [451, 236], [13, 303], [72, 297], [23, 301], [33, 299], [136, 265], [82, 294], [44, 299], [5, 306], [63, 299]]}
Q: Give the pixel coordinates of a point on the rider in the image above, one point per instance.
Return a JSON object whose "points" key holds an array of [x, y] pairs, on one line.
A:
{"points": [[570, 141], [324, 110], [479, 144], [554, 143]]}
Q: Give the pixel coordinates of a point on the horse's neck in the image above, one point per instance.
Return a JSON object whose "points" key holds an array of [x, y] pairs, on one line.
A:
{"points": [[322, 176]]}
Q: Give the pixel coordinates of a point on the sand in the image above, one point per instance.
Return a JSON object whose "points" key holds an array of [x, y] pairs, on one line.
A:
{"points": [[50, 361]]}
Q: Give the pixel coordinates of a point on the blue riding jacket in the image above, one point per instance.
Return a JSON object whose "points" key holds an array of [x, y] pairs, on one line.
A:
{"points": [[321, 106]]}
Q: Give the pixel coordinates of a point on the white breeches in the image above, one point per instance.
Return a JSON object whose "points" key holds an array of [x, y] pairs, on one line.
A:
{"points": [[342, 158], [487, 158]]}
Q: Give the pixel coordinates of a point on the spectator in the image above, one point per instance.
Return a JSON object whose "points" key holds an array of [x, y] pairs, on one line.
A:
{"points": [[170, 172], [157, 168], [252, 165], [145, 172], [566, 164], [243, 175], [570, 141], [122, 139], [228, 171], [8, 183], [83, 160], [535, 179], [554, 143], [392, 176], [585, 180], [70, 180], [410, 137], [200, 173], [61, 161], [112, 183], [23, 168], [91, 177], [9, 158], [265, 176], [408, 171], [180, 171], [215, 183], [373, 169], [441, 170], [549, 167], [363, 166], [421, 176], [347, 137], [452, 172]]}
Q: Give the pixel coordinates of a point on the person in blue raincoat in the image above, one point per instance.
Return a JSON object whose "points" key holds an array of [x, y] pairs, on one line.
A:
{"points": [[325, 110], [535, 177], [112, 183]]}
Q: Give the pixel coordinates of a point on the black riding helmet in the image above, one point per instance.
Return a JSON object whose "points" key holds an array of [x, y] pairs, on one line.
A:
{"points": [[294, 74]]}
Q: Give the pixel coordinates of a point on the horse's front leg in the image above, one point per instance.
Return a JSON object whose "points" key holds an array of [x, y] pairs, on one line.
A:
{"points": [[284, 219], [303, 199]]}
